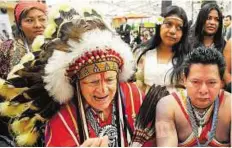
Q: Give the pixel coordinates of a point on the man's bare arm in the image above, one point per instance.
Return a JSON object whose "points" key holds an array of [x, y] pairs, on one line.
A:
{"points": [[166, 134], [227, 57]]}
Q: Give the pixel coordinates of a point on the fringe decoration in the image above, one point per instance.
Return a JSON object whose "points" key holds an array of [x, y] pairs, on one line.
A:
{"points": [[145, 120], [82, 113]]}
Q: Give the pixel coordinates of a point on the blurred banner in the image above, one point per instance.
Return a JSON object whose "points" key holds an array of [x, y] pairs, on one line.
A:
{"points": [[5, 27]]}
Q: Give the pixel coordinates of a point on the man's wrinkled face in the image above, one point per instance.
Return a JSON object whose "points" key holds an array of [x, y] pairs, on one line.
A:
{"points": [[99, 89]]}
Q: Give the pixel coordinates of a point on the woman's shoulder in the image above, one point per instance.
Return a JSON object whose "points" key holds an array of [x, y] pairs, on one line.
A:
{"points": [[140, 53]]}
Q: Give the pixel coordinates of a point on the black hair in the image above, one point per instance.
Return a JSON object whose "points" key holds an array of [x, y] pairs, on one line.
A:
{"points": [[181, 48], [125, 19], [205, 56], [208, 2], [229, 16], [198, 36]]}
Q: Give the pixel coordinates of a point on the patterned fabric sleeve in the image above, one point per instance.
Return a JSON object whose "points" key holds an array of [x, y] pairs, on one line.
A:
{"points": [[17, 53], [5, 50]]}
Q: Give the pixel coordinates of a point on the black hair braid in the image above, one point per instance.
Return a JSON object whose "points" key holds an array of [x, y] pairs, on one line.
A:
{"points": [[147, 113]]}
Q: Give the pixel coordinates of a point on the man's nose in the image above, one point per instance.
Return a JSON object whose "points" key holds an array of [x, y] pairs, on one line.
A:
{"points": [[103, 87], [203, 89]]}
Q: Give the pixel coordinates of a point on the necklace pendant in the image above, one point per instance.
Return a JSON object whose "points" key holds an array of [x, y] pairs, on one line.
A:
{"points": [[199, 131], [102, 116]]}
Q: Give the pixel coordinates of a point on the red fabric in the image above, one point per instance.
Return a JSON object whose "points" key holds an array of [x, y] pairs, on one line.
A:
{"points": [[58, 135], [181, 106], [128, 104], [205, 130], [21, 6]]}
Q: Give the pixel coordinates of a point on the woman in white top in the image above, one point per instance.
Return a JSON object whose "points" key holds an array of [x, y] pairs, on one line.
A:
{"points": [[164, 52]]}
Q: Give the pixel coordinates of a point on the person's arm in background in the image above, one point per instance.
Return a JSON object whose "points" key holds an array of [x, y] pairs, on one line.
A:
{"points": [[166, 134], [227, 56]]}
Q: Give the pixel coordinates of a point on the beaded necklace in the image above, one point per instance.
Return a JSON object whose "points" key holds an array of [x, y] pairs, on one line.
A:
{"points": [[196, 129], [110, 130], [202, 118]]}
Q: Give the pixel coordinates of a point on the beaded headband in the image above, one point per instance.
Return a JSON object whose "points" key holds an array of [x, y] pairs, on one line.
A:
{"points": [[174, 17], [95, 62]]}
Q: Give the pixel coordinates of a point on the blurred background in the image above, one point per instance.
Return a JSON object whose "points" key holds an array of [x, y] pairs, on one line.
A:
{"points": [[140, 13]]}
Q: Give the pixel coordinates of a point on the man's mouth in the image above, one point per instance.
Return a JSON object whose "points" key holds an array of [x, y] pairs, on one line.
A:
{"points": [[100, 98], [204, 99]]}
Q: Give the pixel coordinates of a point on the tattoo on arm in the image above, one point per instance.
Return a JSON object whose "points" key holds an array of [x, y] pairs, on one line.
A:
{"points": [[165, 129], [166, 134]]}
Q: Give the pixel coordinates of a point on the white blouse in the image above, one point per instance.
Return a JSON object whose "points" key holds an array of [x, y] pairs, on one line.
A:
{"points": [[155, 73]]}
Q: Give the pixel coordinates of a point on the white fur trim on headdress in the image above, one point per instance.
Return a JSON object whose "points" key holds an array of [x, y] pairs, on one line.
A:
{"points": [[58, 85]]}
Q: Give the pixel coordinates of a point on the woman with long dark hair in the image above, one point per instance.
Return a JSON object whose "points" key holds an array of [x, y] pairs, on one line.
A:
{"points": [[208, 28], [165, 51]]}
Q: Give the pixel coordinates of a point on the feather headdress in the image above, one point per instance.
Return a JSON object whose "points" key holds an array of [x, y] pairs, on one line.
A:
{"points": [[72, 42], [93, 43]]}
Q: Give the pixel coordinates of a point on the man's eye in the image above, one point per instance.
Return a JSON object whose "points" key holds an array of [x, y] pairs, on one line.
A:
{"points": [[94, 82], [110, 80], [213, 82], [29, 20], [195, 82]]}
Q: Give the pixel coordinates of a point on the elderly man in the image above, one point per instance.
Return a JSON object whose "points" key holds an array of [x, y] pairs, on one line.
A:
{"points": [[77, 84]]}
